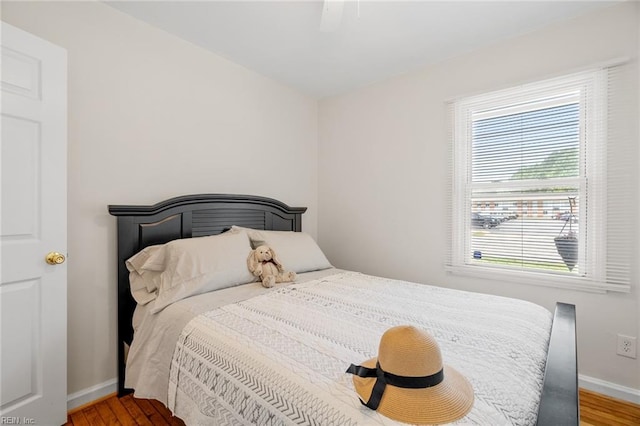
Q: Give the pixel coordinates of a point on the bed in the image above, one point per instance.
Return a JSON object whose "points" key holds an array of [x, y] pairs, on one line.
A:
{"points": [[311, 396]]}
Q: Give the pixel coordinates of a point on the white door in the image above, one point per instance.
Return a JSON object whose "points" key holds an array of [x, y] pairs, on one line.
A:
{"points": [[33, 293]]}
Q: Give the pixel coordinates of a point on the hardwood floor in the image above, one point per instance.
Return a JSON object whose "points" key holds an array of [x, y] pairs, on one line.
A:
{"points": [[595, 410], [125, 411], [600, 410]]}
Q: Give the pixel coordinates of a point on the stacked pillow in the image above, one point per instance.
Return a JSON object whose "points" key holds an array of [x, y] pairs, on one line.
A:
{"points": [[186, 267], [181, 268]]}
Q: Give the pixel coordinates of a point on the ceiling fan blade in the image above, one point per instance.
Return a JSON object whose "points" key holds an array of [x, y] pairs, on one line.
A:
{"points": [[331, 15]]}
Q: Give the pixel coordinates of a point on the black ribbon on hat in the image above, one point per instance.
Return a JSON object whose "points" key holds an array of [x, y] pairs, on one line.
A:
{"points": [[384, 378]]}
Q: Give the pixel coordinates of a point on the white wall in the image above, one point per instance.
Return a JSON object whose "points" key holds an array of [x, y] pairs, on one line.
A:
{"points": [[383, 168], [151, 117]]}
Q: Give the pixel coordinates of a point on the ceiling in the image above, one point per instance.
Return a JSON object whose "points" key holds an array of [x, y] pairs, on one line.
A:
{"points": [[371, 40]]}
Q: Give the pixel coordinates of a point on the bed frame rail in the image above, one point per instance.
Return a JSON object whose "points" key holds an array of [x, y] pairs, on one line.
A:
{"points": [[559, 404]]}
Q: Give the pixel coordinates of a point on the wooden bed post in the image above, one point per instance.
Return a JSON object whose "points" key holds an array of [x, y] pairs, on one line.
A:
{"points": [[559, 404]]}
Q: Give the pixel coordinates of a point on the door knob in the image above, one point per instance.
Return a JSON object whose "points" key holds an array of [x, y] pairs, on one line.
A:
{"points": [[55, 258]]}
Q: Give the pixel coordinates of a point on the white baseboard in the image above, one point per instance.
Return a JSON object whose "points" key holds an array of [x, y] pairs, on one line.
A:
{"points": [[91, 394], [610, 389]]}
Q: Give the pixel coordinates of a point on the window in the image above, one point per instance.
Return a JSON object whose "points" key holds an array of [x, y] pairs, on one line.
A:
{"points": [[532, 179]]}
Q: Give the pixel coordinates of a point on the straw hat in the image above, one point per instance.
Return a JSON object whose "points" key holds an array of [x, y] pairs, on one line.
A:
{"points": [[408, 381]]}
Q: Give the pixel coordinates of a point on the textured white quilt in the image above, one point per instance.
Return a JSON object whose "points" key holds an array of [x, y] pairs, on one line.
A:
{"points": [[280, 358]]}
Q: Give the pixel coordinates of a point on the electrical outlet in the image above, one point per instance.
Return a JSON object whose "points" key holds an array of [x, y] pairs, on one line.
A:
{"points": [[627, 346]]}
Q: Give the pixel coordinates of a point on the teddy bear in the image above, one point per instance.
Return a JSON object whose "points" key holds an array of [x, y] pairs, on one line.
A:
{"points": [[264, 264]]}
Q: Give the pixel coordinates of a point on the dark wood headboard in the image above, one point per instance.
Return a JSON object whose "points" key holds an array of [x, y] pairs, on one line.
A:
{"points": [[185, 217]]}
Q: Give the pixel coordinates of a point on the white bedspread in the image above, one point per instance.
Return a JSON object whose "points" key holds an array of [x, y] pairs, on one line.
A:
{"points": [[280, 358]]}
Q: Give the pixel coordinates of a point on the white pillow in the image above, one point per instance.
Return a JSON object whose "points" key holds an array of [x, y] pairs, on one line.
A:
{"points": [[193, 266], [297, 251], [145, 269]]}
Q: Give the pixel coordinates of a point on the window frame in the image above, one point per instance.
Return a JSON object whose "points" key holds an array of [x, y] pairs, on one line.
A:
{"points": [[590, 89]]}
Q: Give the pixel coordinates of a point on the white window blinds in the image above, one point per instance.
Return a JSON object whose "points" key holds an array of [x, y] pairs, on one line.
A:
{"points": [[537, 181]]}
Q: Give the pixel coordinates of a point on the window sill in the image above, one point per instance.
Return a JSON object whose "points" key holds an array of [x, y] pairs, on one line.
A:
{"points": [[538, 279]]}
